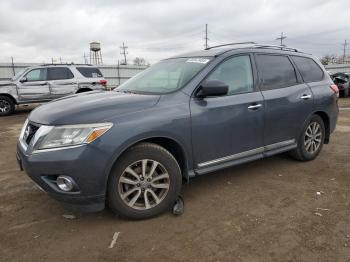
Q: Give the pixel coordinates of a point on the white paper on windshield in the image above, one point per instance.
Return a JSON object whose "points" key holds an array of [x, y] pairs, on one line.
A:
{"points": [[198, 60]]}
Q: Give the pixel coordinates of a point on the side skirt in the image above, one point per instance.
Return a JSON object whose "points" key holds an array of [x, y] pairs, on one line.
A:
{"points": [[247, 156]]}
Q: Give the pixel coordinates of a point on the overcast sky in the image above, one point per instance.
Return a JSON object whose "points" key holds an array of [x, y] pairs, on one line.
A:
{"points": [[36, 31]]}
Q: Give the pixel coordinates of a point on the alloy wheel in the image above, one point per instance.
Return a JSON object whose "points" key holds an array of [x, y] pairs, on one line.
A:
{"points": [[313, 137], [144, 184], [4, 106]]}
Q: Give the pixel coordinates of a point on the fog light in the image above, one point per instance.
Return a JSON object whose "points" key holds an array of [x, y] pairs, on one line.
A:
{"points": [[65, 183]]}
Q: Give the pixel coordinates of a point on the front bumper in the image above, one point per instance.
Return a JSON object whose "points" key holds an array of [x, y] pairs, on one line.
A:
{"points": [[84, 164]]}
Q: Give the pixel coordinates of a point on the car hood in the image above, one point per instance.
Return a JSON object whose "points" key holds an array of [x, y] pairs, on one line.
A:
{"points": [[6, 83], [91, 107]]}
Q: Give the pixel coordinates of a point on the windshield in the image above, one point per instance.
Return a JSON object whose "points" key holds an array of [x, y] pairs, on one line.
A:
{"points": [[16, 76], [166, 76]]}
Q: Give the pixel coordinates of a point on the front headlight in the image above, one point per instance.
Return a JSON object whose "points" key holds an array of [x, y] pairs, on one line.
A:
{"points": [[70, 135]]}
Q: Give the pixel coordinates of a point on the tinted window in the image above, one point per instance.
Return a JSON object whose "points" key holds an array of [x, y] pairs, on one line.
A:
{"points": [[237, 73], [275, 71], [308, 69], [39, 74], [90, 72], [59, 73]]}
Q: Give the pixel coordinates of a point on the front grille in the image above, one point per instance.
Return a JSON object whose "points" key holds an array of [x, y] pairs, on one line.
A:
{"points": [[29, 132]]}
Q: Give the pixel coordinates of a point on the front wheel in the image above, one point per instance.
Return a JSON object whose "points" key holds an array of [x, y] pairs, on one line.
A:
{"points": [[145, 182], [311, 140]]}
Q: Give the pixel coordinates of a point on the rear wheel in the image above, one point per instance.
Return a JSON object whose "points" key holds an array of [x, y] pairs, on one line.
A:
{"points": [[7, 106], [311, 140], [145, 182]]}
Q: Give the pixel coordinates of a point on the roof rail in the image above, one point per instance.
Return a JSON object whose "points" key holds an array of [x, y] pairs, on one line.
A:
{"points": [[281, 47], [58, 64], [239, 43], [255, 45]]}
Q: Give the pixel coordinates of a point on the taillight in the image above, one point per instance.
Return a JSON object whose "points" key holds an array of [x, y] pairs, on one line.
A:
{"points": [[103, 82], [335, 89]]}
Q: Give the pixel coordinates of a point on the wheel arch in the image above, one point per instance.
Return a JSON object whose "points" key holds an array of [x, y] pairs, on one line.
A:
{"points": [[325, 118], [169, 143], [9, 96]]}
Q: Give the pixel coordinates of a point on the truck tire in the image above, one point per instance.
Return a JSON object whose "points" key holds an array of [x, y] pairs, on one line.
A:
{"points": [[145, 182], [7, 106]]}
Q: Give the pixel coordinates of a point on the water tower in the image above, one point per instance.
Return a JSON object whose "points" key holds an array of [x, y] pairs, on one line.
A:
{"points": [[95, 53]]}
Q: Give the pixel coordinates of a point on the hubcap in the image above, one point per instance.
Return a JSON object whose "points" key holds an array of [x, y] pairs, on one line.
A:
{"points": [[4, 106], [313, 137], [144, 184]]}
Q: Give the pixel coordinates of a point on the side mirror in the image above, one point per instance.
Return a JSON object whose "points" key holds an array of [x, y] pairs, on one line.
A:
{"points": [[212, 88], [23, 79]]}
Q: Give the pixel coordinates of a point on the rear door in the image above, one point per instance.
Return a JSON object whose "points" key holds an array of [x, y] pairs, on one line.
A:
{"points": [[287, 100], [35, 87], [62, 82], [228, 128]]}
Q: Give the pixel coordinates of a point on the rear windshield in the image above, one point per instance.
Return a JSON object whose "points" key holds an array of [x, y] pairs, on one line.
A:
{"points": [[90, 72]]}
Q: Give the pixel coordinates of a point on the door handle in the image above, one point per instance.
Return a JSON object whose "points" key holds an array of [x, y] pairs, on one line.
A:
{"points": [[305, 97], [254, 106]]}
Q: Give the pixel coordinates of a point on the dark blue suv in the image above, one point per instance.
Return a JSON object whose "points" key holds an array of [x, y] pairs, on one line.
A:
{"points": [[189, 115]]}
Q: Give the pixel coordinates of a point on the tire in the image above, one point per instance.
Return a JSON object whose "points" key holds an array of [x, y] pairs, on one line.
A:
{"points": [[346, 92], [7, 106], [165, 183], [306, 151]]}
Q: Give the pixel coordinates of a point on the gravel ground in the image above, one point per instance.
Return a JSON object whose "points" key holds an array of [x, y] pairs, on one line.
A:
{"points": [[267, 210]]}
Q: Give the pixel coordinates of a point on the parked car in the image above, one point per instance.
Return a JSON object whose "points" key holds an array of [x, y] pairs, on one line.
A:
{"points": [[39, 84], [189, 115], [342, 81]]}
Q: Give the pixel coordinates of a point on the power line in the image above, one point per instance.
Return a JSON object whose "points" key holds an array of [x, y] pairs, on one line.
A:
{"points": [[281, 38], [124, 52]]}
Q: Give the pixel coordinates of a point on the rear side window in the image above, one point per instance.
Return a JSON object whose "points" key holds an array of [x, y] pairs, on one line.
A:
{"points": [[90, 72], [275, 71], [309, 69], [59, 73]]}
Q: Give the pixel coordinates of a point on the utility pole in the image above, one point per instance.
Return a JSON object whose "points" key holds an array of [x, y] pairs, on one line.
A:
{"points": [[13, 66], [344, 50], [281, 38], [85, 59], [124, 52], [206, 36]]}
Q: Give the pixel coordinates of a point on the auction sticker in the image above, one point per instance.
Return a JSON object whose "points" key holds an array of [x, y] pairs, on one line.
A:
{"points": [[198, 60]]}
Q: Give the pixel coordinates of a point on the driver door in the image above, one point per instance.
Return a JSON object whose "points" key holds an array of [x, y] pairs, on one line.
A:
{"points": [[228, 129], [33, 86]]}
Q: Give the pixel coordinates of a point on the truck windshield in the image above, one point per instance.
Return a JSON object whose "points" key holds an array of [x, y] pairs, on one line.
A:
{"points": [[166, 76]]}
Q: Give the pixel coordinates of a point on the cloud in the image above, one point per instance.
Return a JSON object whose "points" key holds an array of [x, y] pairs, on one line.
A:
{"points": [[36, 31]]}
